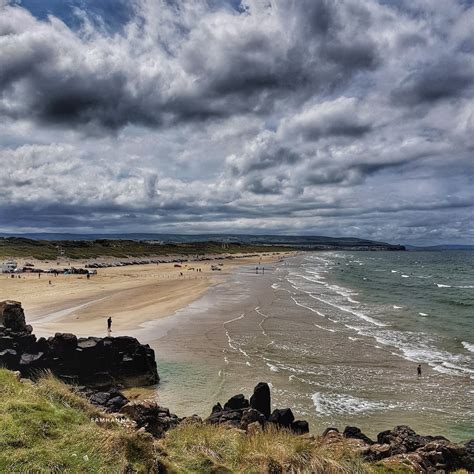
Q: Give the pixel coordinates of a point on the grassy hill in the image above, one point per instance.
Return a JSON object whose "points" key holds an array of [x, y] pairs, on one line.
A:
{"points": [[75, 249]]}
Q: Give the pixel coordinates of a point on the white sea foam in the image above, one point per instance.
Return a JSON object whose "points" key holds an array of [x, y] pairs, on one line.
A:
{"points": [[351, 311], [394, 271], [273, 368], [396, 307], [468, 346], [343, 404], [308, 307], [423, 314], [405, 276], [235, 319], [439, 285], [323, 328]]}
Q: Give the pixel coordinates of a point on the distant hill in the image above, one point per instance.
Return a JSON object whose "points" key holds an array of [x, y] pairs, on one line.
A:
{"points": [[49, 246]]}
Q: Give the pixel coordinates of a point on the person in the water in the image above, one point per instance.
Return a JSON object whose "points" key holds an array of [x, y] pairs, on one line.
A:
{"points": [[419, 370]]}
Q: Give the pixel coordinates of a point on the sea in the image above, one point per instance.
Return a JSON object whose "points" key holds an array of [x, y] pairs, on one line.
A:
{"points": [[337, 335]]}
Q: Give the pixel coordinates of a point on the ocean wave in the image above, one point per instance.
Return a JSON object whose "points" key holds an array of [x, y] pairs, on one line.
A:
{"points": [[423, 314], [405, 276], [468, 346], [439, 285], [343, 404], [414, 349], [308, 307], [351, 311]]}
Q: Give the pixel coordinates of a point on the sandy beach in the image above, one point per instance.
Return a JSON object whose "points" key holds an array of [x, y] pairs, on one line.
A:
{"points": [[132, 295]]}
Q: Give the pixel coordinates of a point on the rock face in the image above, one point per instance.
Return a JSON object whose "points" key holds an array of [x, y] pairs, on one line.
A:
{"points": [[92, 361], [238, 412]]}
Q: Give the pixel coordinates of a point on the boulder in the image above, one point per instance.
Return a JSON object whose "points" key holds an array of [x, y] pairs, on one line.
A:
{"points": [[236, 403], [300, 427], [282, 417], [12, 316], [249, 416], [356, 433], [260, 400], [63, 344], [10, 359], [377, 452]]}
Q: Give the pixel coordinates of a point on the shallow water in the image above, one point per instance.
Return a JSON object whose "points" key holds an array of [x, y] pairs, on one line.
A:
{"points": [[338, 335]]}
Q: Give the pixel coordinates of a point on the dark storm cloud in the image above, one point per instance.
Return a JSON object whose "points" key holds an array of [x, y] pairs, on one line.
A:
{"points": [[226, 63], [449, 78], [295, 116]]}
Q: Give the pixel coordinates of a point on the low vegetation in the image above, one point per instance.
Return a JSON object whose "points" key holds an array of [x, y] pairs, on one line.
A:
{"points": [[75, 249], [209, 448], [45, 427]]}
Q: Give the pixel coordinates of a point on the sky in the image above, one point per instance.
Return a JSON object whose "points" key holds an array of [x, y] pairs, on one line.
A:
{"points": [[303, 117]]}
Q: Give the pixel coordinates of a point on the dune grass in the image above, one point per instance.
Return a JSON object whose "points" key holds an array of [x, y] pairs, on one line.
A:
{"points": [[44, 427], [199, 448]]}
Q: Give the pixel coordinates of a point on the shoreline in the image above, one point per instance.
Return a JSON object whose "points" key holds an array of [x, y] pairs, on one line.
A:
{"points": [[132, 294]]}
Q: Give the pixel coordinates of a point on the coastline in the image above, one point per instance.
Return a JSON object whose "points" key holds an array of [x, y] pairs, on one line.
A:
{"points": [[132, 295], [248, 329]]}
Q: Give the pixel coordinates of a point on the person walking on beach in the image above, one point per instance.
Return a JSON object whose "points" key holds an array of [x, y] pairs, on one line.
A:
{"points": [[418, 370], [109, 324]]}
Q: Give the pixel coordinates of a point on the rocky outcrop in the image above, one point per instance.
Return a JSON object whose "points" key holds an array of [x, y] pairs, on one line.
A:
{"points": [[92, 361], [238, 412], [402, 445]]}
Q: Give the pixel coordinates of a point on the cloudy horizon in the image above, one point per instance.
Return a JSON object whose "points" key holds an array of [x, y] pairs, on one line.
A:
{"points": [[223, 116]]}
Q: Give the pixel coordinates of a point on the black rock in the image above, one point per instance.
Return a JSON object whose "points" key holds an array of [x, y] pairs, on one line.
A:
{"points": [[10, 359], [356, 433], [98, 362], [261, 400], [12, 316], [403, 439], [236, 402], [300, 427], [282, 417], [250, 415], [100, 398]]}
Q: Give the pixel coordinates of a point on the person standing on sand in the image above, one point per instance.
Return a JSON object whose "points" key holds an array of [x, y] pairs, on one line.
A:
{"points": [[109, 324], [418, 370]]}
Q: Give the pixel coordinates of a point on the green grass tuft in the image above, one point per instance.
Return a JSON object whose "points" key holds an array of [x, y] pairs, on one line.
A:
{"points": [[44, 427]]}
